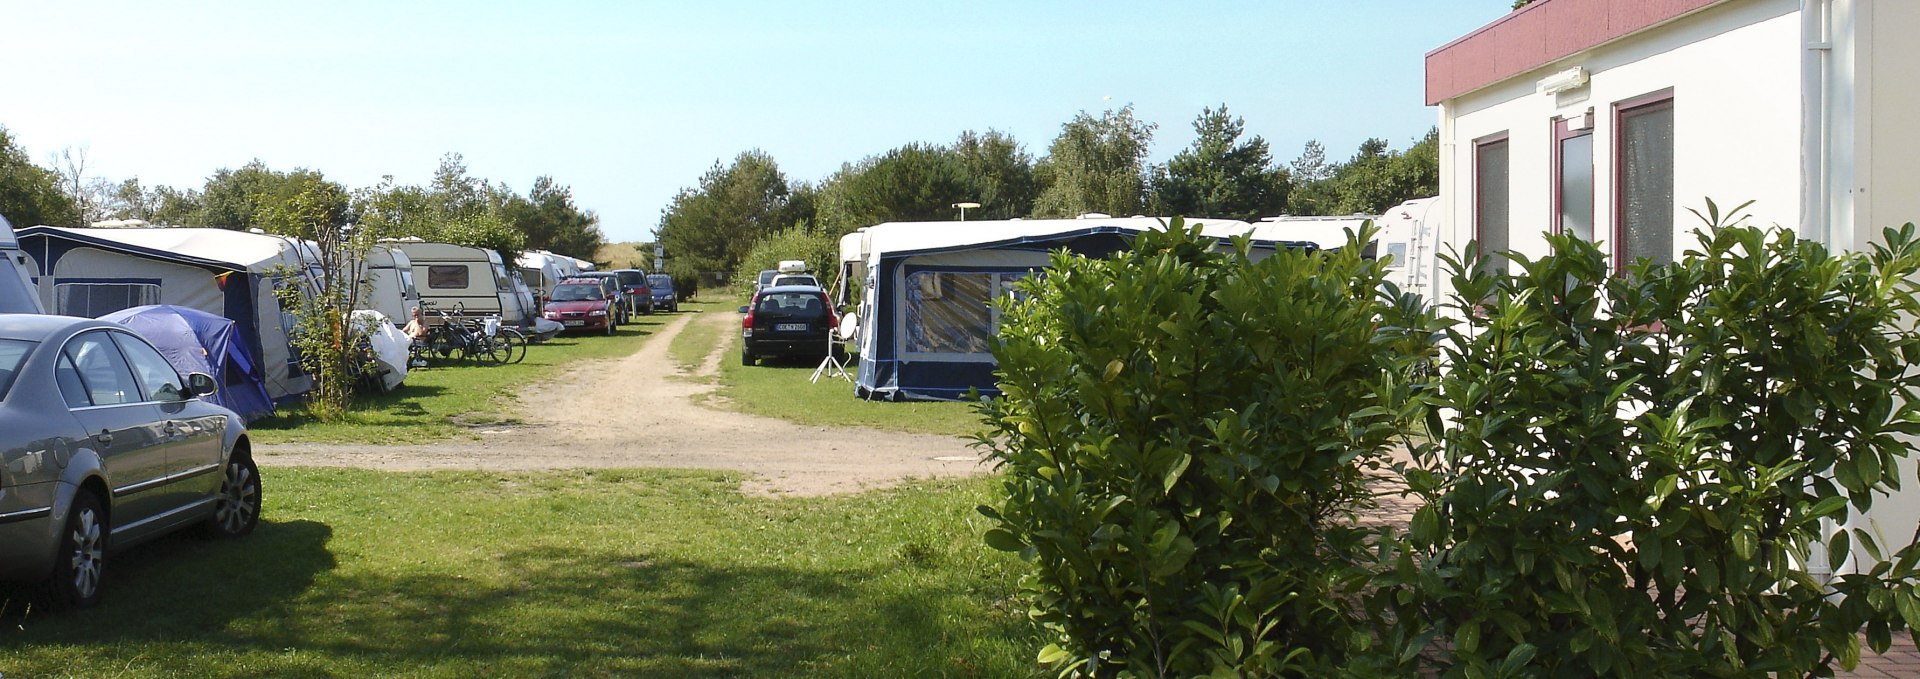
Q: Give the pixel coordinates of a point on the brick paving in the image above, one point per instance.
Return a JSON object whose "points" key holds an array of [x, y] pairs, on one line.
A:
{"points": [[1901, 661]]}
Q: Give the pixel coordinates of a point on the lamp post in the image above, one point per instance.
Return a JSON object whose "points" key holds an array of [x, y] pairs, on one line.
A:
{"points": [[963, 209]]}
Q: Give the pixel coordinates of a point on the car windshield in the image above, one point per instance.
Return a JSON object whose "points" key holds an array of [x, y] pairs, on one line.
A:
{"points": [[659, 281], [576, 293], [795, 305], [12, 354], [767, 276], [631, 277]]}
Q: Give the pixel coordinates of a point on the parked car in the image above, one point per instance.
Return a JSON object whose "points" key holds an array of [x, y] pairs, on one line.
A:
{"points": [[584, 304], [612, 283], [634, 283], [103, 445], [765, 279], [794, 279], [661, 287], [793, 320]]}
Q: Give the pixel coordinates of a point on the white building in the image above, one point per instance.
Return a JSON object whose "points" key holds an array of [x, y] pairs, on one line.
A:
{"points": [[1610, 118]]}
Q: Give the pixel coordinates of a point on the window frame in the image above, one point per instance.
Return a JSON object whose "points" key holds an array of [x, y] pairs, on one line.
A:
{"points": [[152, 393], [1480, 145], [1623, 109], [1563, 132], [466, 276], [66, 349]]}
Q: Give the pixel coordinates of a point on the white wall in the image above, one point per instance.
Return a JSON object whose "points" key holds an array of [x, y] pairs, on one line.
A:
{"points": [[1734, 71]]}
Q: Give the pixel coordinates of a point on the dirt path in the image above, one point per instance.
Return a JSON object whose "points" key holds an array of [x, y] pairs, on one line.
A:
{"points": [[632, 412]]}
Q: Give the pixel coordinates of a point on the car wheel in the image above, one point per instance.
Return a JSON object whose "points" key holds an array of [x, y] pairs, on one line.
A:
{"points": [[648, 309], [237, 510], [82, 558], [746, 359]]}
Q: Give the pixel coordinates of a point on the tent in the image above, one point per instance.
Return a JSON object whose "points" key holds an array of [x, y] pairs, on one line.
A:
{"points": [[195, 341], [925, 325], [92, 272]]}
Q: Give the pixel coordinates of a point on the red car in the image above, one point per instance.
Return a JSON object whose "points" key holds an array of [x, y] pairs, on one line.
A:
{"points": [[583, 304]]}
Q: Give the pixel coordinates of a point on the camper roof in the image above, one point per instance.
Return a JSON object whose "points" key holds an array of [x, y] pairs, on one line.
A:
{"points": [[894, 237], [252, 251]]}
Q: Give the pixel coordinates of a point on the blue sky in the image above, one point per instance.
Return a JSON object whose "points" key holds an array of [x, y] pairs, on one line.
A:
{"points": [[628, 102]]}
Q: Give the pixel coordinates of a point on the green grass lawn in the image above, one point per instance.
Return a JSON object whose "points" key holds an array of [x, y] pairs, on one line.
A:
{"points": [[445, 400], [780, 388], [588, 573], [696, 340]]}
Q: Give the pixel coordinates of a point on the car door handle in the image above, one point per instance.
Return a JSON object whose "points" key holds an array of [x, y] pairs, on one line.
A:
{"points": [[171, 428], [104, 437]]}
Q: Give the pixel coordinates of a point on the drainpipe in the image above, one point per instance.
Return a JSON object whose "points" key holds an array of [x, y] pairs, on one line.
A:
{"points": [[1816, 60], [1816, 200]]}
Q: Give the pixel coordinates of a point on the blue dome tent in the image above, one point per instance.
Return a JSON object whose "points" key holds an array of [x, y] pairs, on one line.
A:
{"points": [[197, 341]]}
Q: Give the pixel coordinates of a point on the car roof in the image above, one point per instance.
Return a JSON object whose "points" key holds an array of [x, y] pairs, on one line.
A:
{"points": [[582, 280], [39, 327], [793, 288]]}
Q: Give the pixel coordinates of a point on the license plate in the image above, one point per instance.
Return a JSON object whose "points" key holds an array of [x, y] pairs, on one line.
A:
{"points": [[790, 327], [573, 324]]}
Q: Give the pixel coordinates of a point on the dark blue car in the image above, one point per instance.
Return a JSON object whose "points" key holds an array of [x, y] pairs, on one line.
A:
{"points": [[664, 296]]}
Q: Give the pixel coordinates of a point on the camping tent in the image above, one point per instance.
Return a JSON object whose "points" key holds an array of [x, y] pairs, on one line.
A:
{"points": [[195, 341], [924, 320], [93, 272]]}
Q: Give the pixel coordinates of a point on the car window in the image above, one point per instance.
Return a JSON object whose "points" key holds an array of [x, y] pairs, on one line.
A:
{"points": [[659, 281], [158, 380], [578, 293], [767, 276], [631, 277], [103, 371], [13, 353], [71, 388], [797, 305]]}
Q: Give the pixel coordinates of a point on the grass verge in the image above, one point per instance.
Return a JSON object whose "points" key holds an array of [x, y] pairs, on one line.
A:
{"points": [[691, 346], [779, 388], [590, 573], [445, 400]]}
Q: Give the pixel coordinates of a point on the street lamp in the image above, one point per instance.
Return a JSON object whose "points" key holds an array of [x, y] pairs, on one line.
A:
{"points": [[963, 209]]}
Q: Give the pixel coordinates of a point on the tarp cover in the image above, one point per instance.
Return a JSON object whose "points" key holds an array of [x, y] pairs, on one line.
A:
{"points": [[195, 341], [390, 346]]}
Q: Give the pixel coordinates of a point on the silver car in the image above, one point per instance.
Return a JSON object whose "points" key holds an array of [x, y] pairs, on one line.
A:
{"points": [[103, 445]]}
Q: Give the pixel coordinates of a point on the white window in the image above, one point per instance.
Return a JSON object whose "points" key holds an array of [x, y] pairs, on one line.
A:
{"points": [[1490, 191]]}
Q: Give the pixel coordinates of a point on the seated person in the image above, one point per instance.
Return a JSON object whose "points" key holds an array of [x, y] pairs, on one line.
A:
{"points": [[416, 329]]}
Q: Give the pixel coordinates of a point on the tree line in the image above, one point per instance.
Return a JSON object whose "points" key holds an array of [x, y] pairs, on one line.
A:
{"points": [[1096, 164], [454, 206]]}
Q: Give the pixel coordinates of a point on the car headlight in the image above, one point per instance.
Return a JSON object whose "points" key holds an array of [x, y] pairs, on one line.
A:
{"points": [[597, 312]]}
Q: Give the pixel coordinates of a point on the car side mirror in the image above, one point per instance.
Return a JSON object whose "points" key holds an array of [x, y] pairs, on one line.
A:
{"points": [[743, 310], [201, 384]]}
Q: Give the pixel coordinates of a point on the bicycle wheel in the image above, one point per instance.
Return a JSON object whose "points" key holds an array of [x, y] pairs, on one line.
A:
{"points": [[516, 344], [493, 350]]}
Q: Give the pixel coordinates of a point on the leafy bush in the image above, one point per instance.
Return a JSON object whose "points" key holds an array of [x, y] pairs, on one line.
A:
{"points": [[820, 250], [1185, 437], [1641, 466]]}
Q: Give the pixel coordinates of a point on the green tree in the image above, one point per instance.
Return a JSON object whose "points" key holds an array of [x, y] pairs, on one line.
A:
{"points": [[1220, 175], [1095, 165], [915, 182], [30, 194], [1374, 179], [1001, 172], [712, 225], [549, 219]]}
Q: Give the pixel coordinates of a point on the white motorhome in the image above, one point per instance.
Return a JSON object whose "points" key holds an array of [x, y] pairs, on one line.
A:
{"points": [[388, 275], [17, 294], [473, 279]]}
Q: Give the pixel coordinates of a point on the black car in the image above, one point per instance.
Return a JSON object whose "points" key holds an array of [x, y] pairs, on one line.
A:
{"points": [[791, 320]]}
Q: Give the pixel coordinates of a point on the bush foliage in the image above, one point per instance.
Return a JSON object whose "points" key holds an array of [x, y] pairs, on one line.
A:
{"points": [[1186, 436], [1660, 470], [1644, 467]]}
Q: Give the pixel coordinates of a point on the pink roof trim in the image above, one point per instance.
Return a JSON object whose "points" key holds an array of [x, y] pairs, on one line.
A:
{"points": [[1538, 34]]}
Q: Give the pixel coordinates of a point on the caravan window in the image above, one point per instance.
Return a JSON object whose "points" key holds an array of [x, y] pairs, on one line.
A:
{"points": [[406, 282], [93, 300], [950, 312], [447, 276], [500, 281]]}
